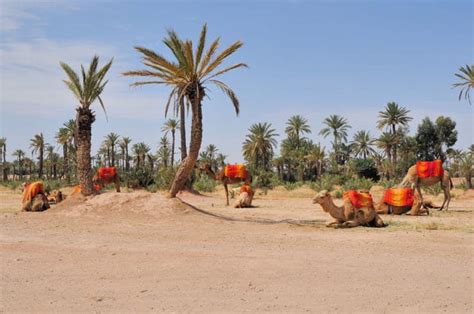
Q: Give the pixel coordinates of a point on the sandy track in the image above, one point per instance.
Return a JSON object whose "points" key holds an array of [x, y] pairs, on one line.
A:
{"points": [[143, 252]]}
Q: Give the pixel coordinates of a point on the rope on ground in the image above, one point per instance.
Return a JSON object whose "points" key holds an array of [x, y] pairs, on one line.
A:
{"points": [[264, 221]]}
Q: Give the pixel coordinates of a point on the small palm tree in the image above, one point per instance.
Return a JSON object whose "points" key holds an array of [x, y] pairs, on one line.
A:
{"points": [[171, 125], [140, 151], [363, 144], [189, 76], [124, 143], [20, 155], [316, 158], [386, 142], [296, 126], [37, 145], [112, 140], [63, 139], [259, 145], [3, 155], [164, 152], [336, 126], [466, 74], [87, 91]]}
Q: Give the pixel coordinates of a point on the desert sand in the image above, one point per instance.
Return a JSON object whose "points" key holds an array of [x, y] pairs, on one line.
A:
{"points": [[142, 252]]}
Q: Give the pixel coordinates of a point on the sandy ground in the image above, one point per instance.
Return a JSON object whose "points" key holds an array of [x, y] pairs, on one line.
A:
{"points": [[142, 252]]}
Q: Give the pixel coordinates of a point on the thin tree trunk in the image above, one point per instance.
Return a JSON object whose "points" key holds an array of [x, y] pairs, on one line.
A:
{"points": [[127, 162], [40, 172], [112, 153], [182, 130], [84, 121], [188, 163], [173, 135]]}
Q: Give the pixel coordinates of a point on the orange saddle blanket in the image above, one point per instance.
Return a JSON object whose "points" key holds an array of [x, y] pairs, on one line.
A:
{"points": [[32, 190], [236, 171], [358, 199], [77, 189], [399, 196], [247, 189], [107, 173], [427, 169]]}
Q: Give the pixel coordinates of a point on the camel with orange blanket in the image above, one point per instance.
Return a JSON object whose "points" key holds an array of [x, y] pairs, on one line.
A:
{"points": [[106, 176], [245, 197], [427, 173], [398, 201], [357, 210], [230, 174], [34, 197]]}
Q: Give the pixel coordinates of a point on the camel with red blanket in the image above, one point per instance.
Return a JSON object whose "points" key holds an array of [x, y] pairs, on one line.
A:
{"points": [[245, 197], [106, 176], [34, 197], [230, 174], [398, 201], [357, 210], [427, 173]]}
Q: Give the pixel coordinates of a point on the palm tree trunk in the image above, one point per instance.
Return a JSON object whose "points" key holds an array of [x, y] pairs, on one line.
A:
{"points": [[5, 174], [66, 164], [182, 130], [173, 135], [112, 154], [194, 146], [127, 162], [40, 172], [84, 121]]}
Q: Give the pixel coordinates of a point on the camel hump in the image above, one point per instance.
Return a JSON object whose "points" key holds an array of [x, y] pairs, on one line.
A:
{"points": [[358, 199], [236, 171], [428, 169]]}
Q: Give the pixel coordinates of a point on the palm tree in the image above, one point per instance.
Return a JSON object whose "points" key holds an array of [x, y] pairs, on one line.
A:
{"points": [[63, 139], [87, 91], [393, 116], [140, 150], [466, 165], [363, 144], [297, 125], [316, 158], [259, 144], [124, 146], [336, 126], [53, 160], [20, 155], [37, 144], [467, 81], [112, 140], [189, 77], [386, 141], [3, 155], [171, 125], [164, 151]]}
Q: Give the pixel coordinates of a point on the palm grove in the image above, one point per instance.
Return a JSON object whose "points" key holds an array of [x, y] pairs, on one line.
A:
{"points": [[188, 75]]}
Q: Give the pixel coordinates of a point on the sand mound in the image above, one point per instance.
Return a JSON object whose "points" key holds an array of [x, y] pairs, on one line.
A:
{"points": [[138, 204]]}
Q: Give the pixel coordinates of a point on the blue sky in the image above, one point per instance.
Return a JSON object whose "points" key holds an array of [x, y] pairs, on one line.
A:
{"points": [[313, 58]]}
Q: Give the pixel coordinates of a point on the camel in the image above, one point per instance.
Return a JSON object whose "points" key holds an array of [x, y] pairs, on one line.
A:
{"points": [[56, 197], [34, 198], [347, 216], [221, 177], [445, 181], [106, 176], [245, 197], [415, 210]]}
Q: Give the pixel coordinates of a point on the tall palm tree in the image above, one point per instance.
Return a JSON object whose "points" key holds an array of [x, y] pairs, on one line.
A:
{"points": [[296, 126], [124, 146], [170, 126], [466, 74], [63, 139], [37, 145], [164, 152], [393, 116], [87, 91], [336, 126], [363, 143], [20, 155], [140, 151], [386, 142], [189, 76], [316, 158], [52, 159], [259, 145], [3, 155], [112, 140]]}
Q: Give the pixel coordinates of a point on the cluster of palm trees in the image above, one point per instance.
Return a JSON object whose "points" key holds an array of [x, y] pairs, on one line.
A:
{"points": [[191, 72]]}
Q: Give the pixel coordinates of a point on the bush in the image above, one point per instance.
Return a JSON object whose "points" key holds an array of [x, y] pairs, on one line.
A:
{"points": [[433, 190], [290, 186], [365, 168], [265, 180], [205, 184], [164, 178], [138, 178], [327, 182], [358, 184], [388, 183], [462, 186]]}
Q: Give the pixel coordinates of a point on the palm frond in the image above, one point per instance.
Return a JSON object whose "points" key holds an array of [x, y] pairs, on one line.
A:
{"points": [[235, 66], [200, 48], [208, 56], [224, 54], [229, 92], [73, 78]]}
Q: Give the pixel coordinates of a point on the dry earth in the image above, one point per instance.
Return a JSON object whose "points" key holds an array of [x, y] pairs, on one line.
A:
{"points": [[142, 252]]}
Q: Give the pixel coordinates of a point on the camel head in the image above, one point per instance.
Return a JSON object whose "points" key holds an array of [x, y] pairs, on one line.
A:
{"points": [[24, 185], [321, 197]]}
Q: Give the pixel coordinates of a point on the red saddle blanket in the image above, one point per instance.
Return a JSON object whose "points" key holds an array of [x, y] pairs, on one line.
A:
{"points": [[427, 169], [399, 196], [358, 199], [247, 189], [236, 171], [31, 190], [107, 173]]}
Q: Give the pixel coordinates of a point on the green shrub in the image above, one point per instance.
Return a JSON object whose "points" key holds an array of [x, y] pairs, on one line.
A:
{"points": [[365, 168], [265, 179], [164, 178], [358, 184], [462, 186], [290, 186], [326, 182], [433, 190], [389, 183], [205, 184], [338, 194], [138, 178]]}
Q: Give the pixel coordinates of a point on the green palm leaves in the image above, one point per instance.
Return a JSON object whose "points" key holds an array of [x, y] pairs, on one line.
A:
{"points": [[466, 74]]}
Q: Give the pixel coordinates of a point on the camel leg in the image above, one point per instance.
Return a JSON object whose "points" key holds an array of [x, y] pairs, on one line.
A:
{"points": [[117, 183], [447, 195], [418, 189], [333, 224], [226, 193], [350, 224], [379, 222]]}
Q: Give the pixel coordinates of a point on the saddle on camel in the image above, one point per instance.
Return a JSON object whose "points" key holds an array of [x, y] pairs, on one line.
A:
{"points": [[34, 197], [245, 197], [106, 176], [398, 201]]}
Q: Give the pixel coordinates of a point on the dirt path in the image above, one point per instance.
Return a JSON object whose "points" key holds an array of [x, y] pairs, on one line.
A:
{"points": [[143, 252]]}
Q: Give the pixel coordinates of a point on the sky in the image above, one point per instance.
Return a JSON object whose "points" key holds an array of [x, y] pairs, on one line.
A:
{"points": [[313, 58]]}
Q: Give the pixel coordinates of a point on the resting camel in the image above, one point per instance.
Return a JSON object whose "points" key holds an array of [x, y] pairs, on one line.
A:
{"points": [[415, 210], [56, 197], [445, 181], [347, 216], [106, 176], [245, 197], [34, 198], [221, 177]]}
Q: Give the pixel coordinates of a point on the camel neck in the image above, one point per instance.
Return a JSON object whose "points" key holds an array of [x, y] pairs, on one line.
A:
{"points": [[333, 210]]}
